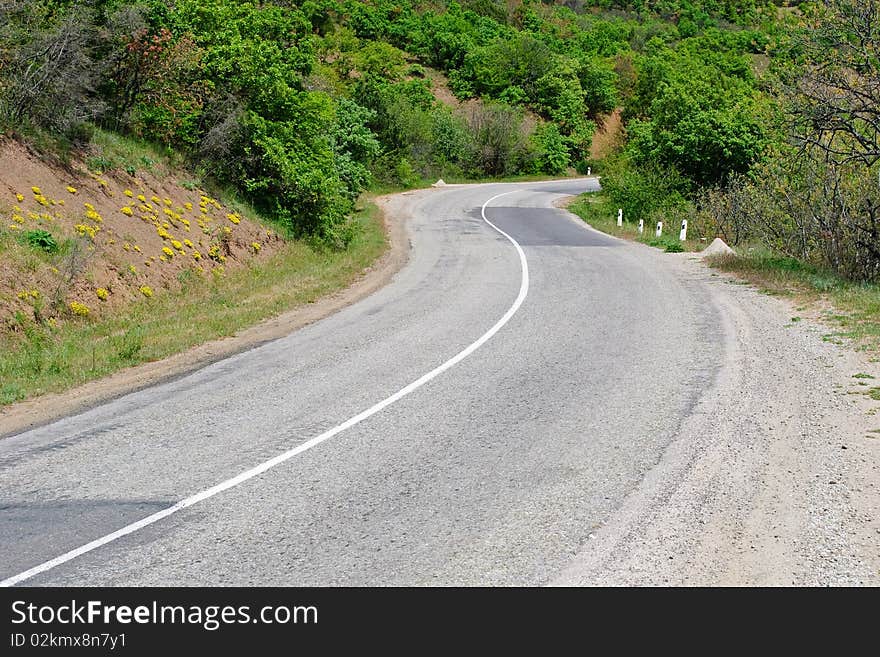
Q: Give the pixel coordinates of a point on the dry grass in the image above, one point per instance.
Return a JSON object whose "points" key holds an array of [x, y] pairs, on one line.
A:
{"points": [[851, 310]]}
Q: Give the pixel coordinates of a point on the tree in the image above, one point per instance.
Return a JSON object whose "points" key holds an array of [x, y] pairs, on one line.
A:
{"points": [[702, 121], [834, 96]]}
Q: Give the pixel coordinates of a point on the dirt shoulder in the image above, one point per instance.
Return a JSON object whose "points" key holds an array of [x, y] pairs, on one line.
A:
{"points": [[772, 480], [31, 413]]}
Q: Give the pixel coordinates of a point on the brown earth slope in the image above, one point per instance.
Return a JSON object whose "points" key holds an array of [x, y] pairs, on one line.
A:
{"points": [[120, 238]]}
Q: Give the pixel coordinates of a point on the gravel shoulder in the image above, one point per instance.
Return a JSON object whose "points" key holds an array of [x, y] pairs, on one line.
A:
{"points": [[772, 480]]}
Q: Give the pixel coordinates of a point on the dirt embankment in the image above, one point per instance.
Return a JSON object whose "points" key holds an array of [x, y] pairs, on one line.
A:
{"points": [[35, 412], [608, 136], [123, 254], [78, 243]]}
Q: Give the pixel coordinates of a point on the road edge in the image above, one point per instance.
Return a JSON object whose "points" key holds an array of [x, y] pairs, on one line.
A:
{"points": [[45, 409]]}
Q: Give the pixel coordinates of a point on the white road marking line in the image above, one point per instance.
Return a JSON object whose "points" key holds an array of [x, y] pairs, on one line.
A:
{"points": [[299, 449]]}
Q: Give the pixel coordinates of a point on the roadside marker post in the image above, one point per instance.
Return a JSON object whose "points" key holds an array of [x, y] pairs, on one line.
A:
{"points": [[641, 226], [620, 216], [659, 228], [589, 171], [682, 236]]}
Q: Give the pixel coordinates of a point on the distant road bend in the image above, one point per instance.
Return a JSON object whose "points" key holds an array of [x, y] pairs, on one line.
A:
{"points": [[527, 402]]}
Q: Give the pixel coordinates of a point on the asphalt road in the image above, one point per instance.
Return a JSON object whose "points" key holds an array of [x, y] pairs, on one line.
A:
{"points": [[495, 471]]}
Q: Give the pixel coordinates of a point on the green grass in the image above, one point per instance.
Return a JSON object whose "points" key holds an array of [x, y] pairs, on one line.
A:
{"points": [[112, 151], [854, 307], [598, 211], [36, 359]]}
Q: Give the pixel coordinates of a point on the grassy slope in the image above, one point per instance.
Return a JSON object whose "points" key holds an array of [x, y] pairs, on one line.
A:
{"points": [[601, 214], [48, 360]]}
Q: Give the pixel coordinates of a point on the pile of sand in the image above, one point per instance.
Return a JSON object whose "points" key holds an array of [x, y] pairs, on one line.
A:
{"points": [[717, 248]]}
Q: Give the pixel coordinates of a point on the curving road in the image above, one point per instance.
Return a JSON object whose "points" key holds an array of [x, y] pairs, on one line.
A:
{"points": [[516, 418]]}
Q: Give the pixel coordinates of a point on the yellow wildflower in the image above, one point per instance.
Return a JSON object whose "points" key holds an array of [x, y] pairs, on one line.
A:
{"points": [[127, 211], [255, 246], [188, 243], [233, 218], [20, 197], [79, 309], [146, 290], [141, 198], [102, 293], [167, 251], [36, 191], [85, 229], [71, 189], [196, 255], [177, 245], [128, 193]]}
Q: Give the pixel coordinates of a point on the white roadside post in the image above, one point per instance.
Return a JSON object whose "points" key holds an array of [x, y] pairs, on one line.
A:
{"points": [[620, 216], [589, 171], [682, 236], [659, 228], [641, 226]]}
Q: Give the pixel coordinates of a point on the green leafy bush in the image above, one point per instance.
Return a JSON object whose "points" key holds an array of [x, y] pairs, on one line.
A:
{"points": [[42, 240]]}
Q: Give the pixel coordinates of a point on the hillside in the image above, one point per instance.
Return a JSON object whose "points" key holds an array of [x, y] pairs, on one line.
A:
{"points": [[735, 115], [82, 244], [102, 271]]}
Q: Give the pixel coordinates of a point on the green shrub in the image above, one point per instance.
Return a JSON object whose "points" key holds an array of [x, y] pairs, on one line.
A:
{"points": [[553, 155], [643, 190], [42, 240]]}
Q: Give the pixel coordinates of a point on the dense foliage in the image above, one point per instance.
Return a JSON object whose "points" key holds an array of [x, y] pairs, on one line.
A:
{"points": [[302, 104], [761, 105]]}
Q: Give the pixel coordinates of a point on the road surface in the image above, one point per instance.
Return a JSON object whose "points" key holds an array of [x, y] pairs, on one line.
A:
{"points": [[524, 389]]}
